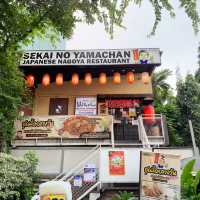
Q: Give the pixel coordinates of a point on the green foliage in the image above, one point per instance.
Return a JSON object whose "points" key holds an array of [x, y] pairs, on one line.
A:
{"points": [[188, 102], [11, 90], [190, 183], [165, 103], [124, 196], [17, 176], [171, 111], [161, 89]]}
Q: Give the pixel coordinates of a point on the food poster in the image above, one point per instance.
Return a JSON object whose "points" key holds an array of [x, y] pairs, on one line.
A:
{"points": [[116, 163], [160, 176], [53, 197], [89, 173], [69, 126]]}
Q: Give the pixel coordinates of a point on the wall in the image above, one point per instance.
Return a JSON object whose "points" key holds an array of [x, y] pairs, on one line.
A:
{"points": [[67, 90], [54, 160]]}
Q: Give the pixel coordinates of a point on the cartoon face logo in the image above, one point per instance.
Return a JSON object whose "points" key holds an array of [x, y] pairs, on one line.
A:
{"points": [[145, 57]]}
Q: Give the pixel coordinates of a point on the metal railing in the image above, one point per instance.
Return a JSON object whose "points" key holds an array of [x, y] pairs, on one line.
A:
{"points": [[143, 136], [78, 169], [154, 128]]}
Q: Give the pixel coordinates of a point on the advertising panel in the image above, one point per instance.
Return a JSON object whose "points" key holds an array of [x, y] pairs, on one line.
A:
{"points": [[78, 181], [160, 176], [86, 106], [64, 126], [91, 57], [89, 173], [116, 163]]}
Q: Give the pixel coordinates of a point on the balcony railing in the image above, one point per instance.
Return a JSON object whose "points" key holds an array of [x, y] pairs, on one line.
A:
{"points": [[90, 130]]}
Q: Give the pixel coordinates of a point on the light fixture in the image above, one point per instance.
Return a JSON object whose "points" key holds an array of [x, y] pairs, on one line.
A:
{"points": [[75, 79], [145, 77], [59, 79], [30, 80], [116, 78], [130, 77], [102, 78], [46, 80], [88, 78]]}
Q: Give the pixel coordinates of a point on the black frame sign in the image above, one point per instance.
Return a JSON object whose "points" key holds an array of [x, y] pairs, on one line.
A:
{"points": [[91, 57]]}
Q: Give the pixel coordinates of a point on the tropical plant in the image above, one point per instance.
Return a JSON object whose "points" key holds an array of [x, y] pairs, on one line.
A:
{"points": [[190, 183], [17, 176], [124, 196], [161, 89], [172, 114], [188, 104]]}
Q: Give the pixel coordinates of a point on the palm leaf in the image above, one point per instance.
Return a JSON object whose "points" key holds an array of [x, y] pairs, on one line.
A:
{"points": [[186, 175]]}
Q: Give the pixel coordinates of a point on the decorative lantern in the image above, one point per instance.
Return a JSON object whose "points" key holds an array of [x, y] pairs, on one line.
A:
{"points": [[130, 77], [102, 78], [46, 80], [149, 114], [88, 78], [145, 77], [75, 79], [117, 78], [30, 80], [59, 79]]}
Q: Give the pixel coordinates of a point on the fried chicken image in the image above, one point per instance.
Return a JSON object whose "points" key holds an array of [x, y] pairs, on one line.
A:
{"points": [[152, 191], [78, 125]]}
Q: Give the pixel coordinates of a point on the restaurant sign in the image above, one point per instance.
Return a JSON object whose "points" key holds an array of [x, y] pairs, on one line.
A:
{"points": [[64, 127], [86, 106], [160, 176], [91, 57]]}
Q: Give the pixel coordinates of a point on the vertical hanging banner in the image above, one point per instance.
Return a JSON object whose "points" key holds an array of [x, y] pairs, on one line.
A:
{"points": [[116, 163], [160, 176]]}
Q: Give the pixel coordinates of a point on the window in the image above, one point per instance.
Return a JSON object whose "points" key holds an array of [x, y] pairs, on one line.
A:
{"points": [[58, 106]]}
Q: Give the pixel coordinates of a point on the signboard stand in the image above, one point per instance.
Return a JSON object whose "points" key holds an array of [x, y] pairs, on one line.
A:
{"points": [[159, 176]]}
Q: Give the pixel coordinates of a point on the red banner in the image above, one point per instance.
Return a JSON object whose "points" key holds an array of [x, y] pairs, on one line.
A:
{"points": [[122, 103]]}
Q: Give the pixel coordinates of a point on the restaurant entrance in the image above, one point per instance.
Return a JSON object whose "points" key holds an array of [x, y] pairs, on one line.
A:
{"points": [[125, 112]]}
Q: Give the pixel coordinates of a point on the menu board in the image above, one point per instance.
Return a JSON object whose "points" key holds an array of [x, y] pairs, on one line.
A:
{"points": [[67, 126], [116, 163], [160, 176], [86, 106]]}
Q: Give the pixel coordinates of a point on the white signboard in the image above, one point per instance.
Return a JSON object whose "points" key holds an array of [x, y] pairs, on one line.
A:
{"points": [[86, 106], [92, 57]]}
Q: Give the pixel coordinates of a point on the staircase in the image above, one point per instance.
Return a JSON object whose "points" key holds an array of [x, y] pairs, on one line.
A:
{"points": [[79, 193]]}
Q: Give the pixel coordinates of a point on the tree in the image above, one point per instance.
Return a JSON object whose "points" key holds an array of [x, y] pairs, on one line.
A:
{"points": [[161, 89], [188, 102], [22, 20], [17, 176], [197, 74]]}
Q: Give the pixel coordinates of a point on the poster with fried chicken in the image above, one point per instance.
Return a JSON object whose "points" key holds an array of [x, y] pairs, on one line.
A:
{"points": [[71, 126], [160, 176], [116, 163]]}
